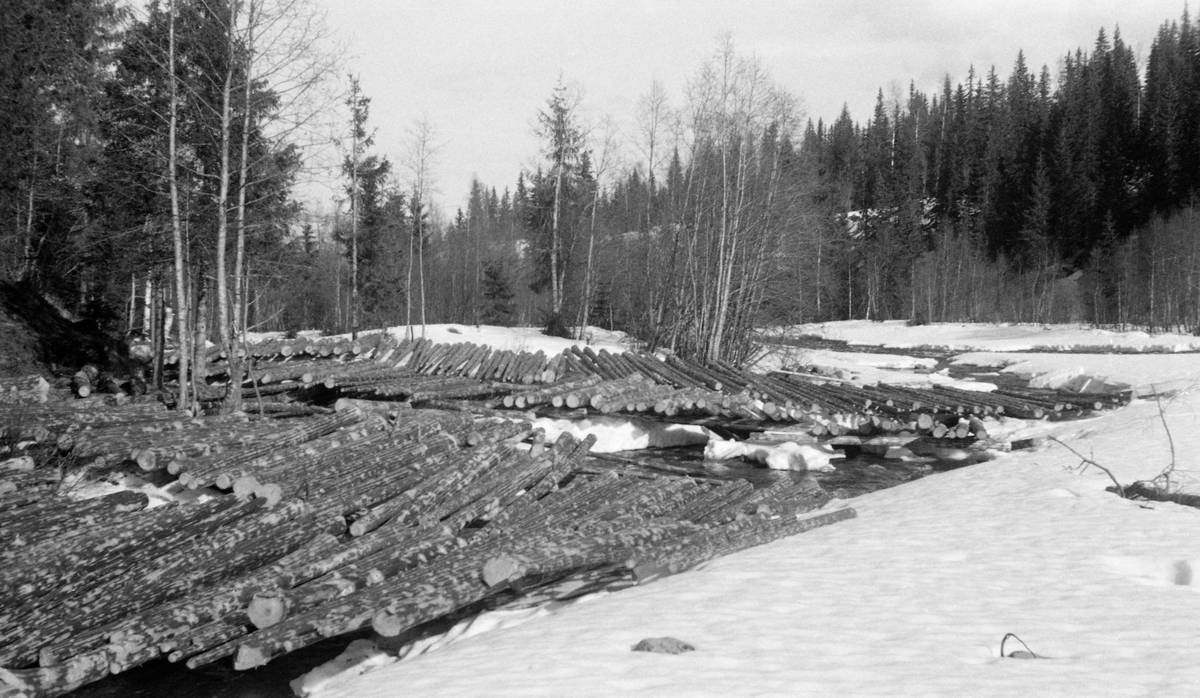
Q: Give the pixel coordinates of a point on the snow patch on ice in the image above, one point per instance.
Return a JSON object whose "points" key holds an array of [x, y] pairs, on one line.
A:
{"points": [[787, 455], [615, 434]]}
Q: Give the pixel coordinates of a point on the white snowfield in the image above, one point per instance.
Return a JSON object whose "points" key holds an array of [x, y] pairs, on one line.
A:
{"points": [[997, 337], [502, 338], [912, 597]]}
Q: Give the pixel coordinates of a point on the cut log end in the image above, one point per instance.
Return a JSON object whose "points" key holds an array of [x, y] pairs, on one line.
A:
{"points": [[388, 624], [267, 609], [271, 492], [145, 458], [243, 487]]}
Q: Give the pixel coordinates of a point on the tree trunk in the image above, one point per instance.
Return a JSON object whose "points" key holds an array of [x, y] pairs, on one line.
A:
{"points": [[224, 328], [233, 398], [555, 242]]}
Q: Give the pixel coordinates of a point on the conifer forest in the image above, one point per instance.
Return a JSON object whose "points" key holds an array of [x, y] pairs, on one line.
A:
{"points": [[150, 160]]}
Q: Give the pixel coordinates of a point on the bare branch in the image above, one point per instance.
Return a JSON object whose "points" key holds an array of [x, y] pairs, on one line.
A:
{"points": [[1085, 461]]}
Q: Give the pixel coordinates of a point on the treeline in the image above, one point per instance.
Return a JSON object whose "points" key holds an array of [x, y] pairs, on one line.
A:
{"points": [[982, 201], [1034, 197], [147, 164]]}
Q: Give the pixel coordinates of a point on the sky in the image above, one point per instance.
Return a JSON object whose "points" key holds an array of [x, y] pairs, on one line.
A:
{"points": [[478, 71]]}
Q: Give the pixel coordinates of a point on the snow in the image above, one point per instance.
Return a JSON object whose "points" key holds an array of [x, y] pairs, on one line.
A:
{"points": [[528, 339], [614, 434], [998, 337], [359, 657], [914, 596], [787, 455], [859, 366]]}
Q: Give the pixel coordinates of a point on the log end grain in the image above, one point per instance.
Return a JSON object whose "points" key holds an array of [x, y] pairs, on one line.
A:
{"points": [[244, 487], [267, 609], [271, 492], [389, 624], [499, 570], [146, 458]]}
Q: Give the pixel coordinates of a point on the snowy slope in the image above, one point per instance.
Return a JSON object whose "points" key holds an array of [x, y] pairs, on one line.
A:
{"points": [[913, 597]]}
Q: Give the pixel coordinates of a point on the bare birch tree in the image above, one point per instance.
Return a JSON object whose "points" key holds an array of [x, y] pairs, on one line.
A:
{"points": [[737, 118], [420, 160], [181, 296], [608, 145]]}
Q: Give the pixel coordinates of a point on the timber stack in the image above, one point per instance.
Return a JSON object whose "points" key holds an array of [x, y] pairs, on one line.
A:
{"points": [[385, 483], [479, 378], [321, 525]]}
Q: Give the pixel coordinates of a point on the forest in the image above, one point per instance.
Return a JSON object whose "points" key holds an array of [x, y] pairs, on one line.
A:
{"points": [[150, 159]]}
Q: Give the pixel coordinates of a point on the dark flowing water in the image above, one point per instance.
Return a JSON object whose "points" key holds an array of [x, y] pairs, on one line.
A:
{"points": [[161, 679], [855, 474]]}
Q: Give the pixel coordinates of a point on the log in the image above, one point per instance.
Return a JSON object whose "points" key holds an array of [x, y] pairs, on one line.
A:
{"points": [[410, 506], [201, 472], [368, 489], [135, 586], [61, 520], [84, 380], [421, 547], [44, 682], [179, 619], [683, 554]]}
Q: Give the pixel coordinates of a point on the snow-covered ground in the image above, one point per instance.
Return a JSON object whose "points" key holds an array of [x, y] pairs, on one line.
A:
{"points": [[998, 337], [913, 597], [502, 338]]}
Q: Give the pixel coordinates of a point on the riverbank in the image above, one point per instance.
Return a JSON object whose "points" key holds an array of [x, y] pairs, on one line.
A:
{"points": [[915, 595]]}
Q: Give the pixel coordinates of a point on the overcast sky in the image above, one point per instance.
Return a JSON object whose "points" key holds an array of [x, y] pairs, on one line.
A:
{"points": [[479, 70]]}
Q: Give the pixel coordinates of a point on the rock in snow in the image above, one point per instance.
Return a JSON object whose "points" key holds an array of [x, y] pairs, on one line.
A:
{"points": [[663, 645]]}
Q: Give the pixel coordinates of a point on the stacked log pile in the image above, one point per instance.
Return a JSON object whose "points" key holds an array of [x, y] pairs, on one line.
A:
{"points": [[45, 421], [406, 493], [613, 382], [21, 488], [370, 522]]}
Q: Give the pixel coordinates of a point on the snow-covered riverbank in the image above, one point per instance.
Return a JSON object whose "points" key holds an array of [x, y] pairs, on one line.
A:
{"points": [[914, 596]]}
